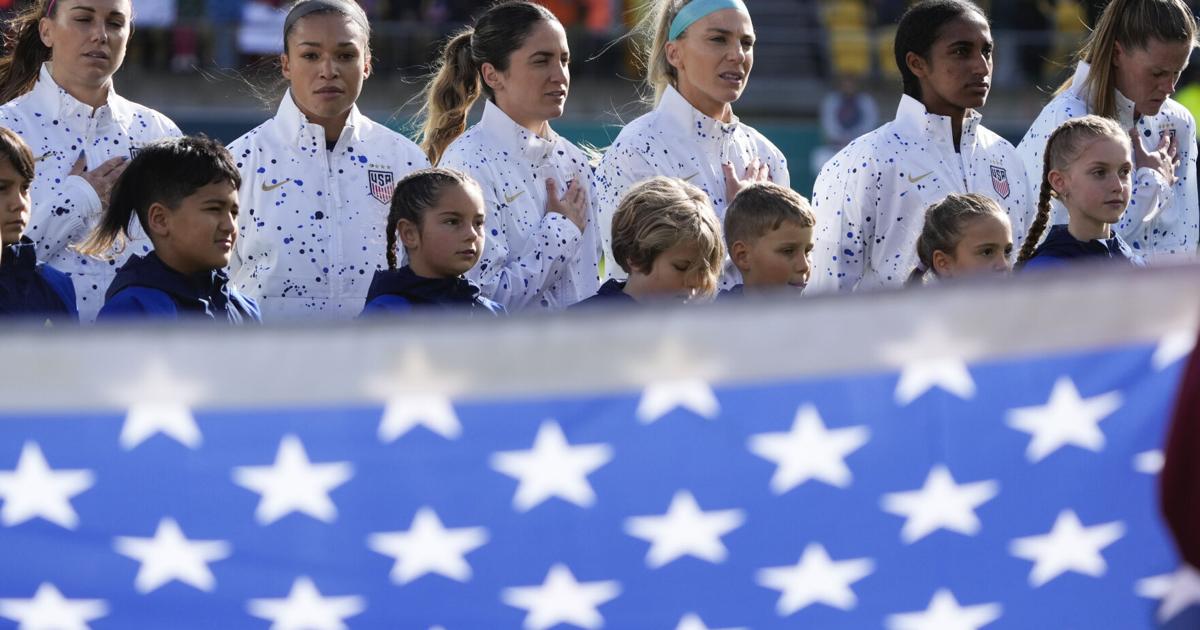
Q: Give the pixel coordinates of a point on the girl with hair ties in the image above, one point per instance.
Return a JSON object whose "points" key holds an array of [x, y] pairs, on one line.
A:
{"points": [[697, 64], [57, 89], [1127, 72], [870, 199], [317, 179], [542, 249]]}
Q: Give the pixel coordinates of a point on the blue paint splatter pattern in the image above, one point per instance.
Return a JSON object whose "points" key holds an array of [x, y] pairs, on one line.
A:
{"points": [[313, 228], [59, 129], [870, 198], [676, 140], [1174, 227], [531, 259]]}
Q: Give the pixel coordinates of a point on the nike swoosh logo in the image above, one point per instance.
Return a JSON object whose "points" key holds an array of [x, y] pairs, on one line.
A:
{"points": [[44, 156], [269, 187], [510, 199], [913, 180], [689, 177]]}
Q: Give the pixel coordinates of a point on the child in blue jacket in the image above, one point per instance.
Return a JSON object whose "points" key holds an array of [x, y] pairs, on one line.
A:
{"points": [[184, 192], [438, 215], [27, 288]]}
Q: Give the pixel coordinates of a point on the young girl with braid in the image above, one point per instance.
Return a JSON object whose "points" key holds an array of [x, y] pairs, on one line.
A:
{"points": [[438, 214], [1087, 168]]}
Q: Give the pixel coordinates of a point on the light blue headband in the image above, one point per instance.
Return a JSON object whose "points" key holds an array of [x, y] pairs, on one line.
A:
{"points": [[697, 9]]}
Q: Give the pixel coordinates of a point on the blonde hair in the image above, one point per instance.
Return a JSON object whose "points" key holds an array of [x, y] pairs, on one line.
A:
{"points": [[1064, 147], [456, 82], [659, 213], [762, 207], [945, 222], [1131, 23]]}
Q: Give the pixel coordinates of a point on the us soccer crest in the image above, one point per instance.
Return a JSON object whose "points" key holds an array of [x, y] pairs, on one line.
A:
{"points": [[383, 184], [1000, 181]]}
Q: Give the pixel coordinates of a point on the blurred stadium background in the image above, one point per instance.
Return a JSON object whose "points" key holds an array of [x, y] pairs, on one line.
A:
{"points": [[197, 60]]}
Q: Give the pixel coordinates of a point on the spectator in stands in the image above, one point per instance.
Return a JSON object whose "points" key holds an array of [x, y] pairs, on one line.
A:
{"points": [[698, 62], [317, 179], [56, 83], [543, 246], [846, 114], [870, 199], [1127, 71]]}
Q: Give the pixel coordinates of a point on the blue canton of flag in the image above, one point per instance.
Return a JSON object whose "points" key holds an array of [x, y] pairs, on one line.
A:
{"points": [[1010, 494]]}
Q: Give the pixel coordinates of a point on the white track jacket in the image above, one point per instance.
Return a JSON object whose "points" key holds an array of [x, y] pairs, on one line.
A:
{"points": [[58, 129], [313, 222], [870, 199]]}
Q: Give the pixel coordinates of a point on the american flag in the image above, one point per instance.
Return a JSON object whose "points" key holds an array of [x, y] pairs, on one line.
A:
{"points": [[1013, 492]]}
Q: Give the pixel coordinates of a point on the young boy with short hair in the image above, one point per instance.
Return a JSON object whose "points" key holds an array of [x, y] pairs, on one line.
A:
{"points": [[438, 215], [769, 231], [666, 236], [184, 193]]}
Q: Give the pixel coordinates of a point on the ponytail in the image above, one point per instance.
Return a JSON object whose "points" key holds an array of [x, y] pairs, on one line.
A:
{"points": [[19, 68], [449, 96], [1063, 148], [1132, 24], [164, 172], [456, 83]]}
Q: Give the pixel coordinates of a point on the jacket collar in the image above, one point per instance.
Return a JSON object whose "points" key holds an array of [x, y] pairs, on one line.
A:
{"points": [[47, 96], [294, 124], [20, 256], [913, 118], [211, 288], [506, 135], [1124, 106], [420, 290], [1060, 242], [690, 121]]}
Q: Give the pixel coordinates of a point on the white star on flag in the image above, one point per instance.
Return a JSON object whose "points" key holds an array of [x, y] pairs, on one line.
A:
{"points": [[815, 579], [919, 377], [49, 610], [1173, 347], [552, 468], [931, 357], [305, 608], [1066, 419], [406, 412], [945, 613], [1069, 546], [159, 401], [678, 376], [34, 490], [562, 599], [809, 451], [170, 556], [662, 397], [692, 621], [428, 547], [939, 504], [293, 484], [1149, 462], [1178, 591], [685, 530]]}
